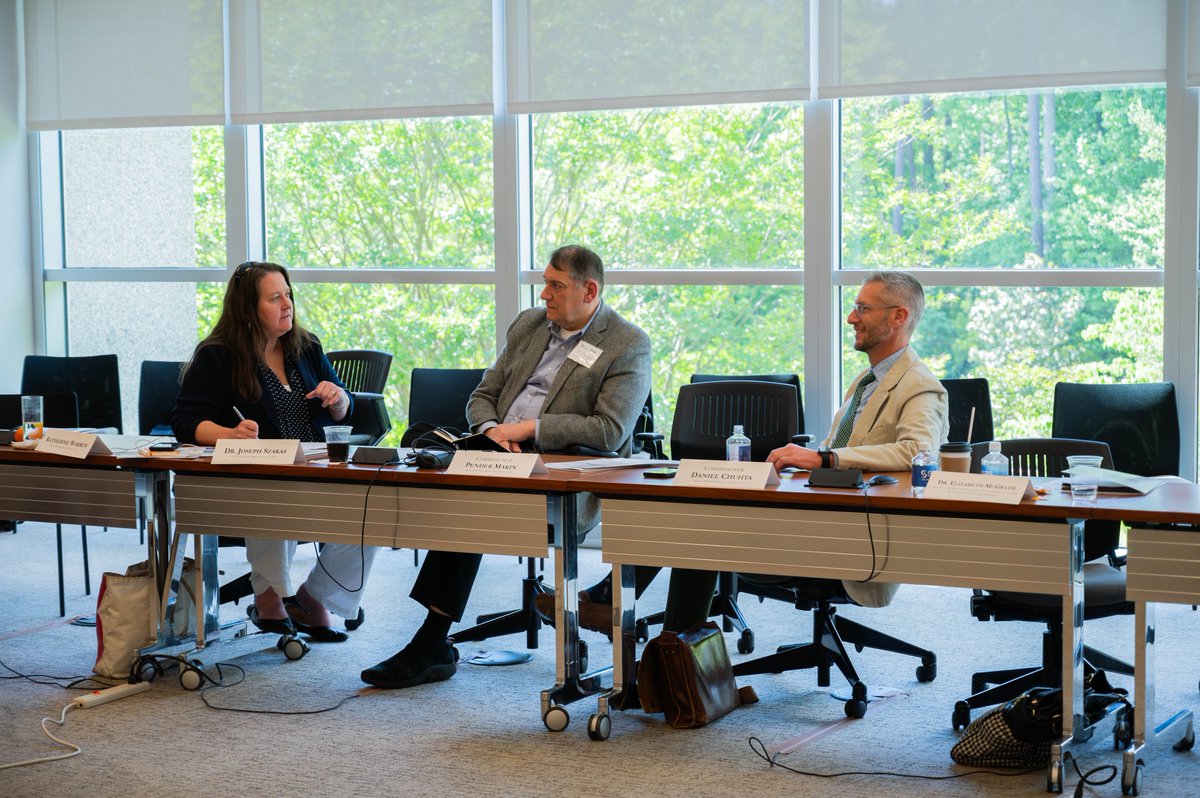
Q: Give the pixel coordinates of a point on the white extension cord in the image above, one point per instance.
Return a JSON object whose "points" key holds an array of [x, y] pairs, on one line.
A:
{"points": [[94, 698]]}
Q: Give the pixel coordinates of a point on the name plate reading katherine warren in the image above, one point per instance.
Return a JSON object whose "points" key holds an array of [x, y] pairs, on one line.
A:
{"points": [[956, 486], [71, 444], [257, 452], [496, 464], [723, 474]]}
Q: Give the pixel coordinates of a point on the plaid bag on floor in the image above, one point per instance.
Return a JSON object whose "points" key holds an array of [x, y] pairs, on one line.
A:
{"points": [[989, 742]]}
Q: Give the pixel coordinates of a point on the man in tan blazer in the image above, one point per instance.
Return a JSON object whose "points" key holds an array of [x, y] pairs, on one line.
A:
{"points": [[891, 408], [572, 373]]}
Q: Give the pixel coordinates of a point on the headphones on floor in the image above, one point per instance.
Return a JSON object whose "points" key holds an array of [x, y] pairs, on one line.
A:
{"points": [[149, 667]]}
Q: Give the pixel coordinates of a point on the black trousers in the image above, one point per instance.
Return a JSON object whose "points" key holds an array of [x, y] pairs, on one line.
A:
{"points": [[446, 579]]}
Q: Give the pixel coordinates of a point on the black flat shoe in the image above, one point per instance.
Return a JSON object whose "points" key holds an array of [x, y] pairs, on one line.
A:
{"points": [[277, 626], [301, 619], [412, 666]]}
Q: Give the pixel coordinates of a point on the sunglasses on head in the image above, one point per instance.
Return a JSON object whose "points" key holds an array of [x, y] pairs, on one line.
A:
{"points": [[243, 268]]}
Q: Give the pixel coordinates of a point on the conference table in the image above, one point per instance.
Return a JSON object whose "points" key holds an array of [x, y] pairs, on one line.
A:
{"points": [[882, 533], [101, 490], [394, 506]]}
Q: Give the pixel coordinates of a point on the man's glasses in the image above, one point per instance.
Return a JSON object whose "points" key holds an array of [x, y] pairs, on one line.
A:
{"points": [[862, 310]]}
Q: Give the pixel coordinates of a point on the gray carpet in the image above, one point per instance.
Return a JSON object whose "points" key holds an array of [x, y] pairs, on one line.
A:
{"points": [[481, 732]]}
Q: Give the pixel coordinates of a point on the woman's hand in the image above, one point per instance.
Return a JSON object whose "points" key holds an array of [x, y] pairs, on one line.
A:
{"points": [[246, 429], [329, 393]]}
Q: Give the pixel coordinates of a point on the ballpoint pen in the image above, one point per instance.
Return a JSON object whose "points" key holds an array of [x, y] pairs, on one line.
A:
{"points": [[239, 412]]}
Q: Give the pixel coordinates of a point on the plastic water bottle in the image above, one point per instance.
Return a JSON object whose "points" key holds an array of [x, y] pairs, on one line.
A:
{"points": [[923, 465], [994, 463], [737, 445]]}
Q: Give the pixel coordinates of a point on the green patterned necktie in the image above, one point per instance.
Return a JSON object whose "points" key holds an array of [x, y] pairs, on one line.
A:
{"points": [[843, 433]]}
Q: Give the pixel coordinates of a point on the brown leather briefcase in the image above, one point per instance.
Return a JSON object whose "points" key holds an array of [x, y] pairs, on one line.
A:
{"points": [[688, 677]]}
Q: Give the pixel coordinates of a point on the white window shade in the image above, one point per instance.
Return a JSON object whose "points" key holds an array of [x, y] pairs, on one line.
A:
{"points": [[314, 60], [573, 55], [1193, 52], [880, 47], [123, 63]]}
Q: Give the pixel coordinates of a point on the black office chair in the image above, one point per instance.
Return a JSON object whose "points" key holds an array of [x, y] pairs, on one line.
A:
{"points": [[439, 397], [160, 381], [95, 380], [361, 369], [364, 372], [1104, 585], [1138, 421], [766, 436], [963, 395], [58, 410]]}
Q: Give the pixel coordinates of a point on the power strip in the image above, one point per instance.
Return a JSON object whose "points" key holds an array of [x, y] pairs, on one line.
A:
{"points": [[97, 697]]}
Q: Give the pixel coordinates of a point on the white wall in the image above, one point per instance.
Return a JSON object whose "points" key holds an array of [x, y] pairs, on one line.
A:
{"points": [[16, 273]]}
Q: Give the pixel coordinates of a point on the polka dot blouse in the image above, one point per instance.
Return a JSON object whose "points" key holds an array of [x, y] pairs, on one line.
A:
{"points": [[295, 419]]}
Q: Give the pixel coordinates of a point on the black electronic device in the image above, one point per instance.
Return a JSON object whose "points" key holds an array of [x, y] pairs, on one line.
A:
{"points": [[375, 455], [835, 478], [7, 436], [882, 479], [165, 446], [659, 473], [430, 458]]}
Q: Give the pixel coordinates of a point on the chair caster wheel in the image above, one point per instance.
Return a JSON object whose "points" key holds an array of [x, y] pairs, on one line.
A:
{"points": [[556, 718], [292, 647], [1131, 780], [599, 726], [926, 672], [856, 707], [1054, 778], [962, 716], [356, 621], [190, 676], [745, 643], [641, 630]]}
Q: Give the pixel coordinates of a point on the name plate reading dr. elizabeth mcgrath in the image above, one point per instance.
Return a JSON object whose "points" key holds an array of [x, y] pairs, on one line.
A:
{"points": [[253, 451], [496, 464], [725, 474], [71, 444], [955, 486]]}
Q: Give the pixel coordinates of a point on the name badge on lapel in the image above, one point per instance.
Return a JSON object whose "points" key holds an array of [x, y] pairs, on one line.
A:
{"points": [[585, 354]]}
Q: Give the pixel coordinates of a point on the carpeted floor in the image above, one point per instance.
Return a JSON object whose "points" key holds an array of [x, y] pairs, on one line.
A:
{"points": [[481, 732]]}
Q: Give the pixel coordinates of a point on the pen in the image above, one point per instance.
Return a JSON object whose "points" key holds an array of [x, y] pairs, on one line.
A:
{"points": [[239, 412]]}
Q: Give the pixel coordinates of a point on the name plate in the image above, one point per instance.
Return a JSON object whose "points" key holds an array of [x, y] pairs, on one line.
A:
{"points": [[497, 464], [258, 452], [979, 488], [71, 444], [725, 474]]}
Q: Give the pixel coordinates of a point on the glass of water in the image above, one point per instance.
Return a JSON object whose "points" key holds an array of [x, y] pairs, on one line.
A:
{"points": [[1083, 488]]}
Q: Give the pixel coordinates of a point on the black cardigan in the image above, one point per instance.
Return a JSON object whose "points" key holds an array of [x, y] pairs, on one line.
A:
{"points": [[207, 393]]}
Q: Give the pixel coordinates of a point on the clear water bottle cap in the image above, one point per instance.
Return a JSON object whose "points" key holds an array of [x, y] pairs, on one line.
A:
{"points": [[737, 429], [994, 446]]}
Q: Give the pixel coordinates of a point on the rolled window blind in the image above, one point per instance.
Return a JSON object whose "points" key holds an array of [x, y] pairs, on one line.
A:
{"points": [[572, 55], [123, 63], [886, 47], [315, 60]]}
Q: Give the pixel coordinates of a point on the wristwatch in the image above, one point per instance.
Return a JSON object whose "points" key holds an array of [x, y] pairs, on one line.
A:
{"points": [[827, 460]]}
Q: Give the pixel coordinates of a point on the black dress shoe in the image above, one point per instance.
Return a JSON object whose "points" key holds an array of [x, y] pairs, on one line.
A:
{"points": [[302, 620], [412, 666], [277, 626]]}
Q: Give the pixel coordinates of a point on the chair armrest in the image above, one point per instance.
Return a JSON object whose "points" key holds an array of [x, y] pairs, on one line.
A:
{"points": [[651, 441]]}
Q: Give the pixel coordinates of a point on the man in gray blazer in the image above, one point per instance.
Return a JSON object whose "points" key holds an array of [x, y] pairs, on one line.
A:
{"points": [[572, 373]]}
